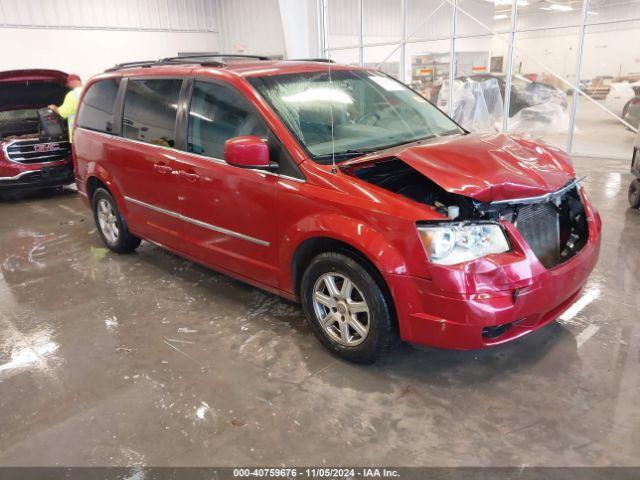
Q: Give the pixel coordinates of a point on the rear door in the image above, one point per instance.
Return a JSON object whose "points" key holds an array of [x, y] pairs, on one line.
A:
{"points": [[228, 211], [144, 163]]}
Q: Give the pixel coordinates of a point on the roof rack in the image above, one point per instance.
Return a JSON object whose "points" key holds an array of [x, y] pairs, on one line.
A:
{"points": [[186, 59], [222, 55], [323, 60], [140, 63]]}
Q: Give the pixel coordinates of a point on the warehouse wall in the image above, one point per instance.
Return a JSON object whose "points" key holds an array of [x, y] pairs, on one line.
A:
{"points": [[250, 26], [87, 36], [88, 52]]}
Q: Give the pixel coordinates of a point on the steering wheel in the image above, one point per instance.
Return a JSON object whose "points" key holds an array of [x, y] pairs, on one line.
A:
{"points": [[361, 119]]}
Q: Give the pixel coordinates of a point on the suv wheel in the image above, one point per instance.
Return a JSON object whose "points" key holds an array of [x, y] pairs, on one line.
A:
{"points": [[634, 193], [111, 226], [347, 309]]}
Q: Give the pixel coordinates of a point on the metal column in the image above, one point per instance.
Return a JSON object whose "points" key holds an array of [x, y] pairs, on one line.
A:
{"points": [[576, 80], [360, 32], [509, 73], [403, 44], [452, 59]]}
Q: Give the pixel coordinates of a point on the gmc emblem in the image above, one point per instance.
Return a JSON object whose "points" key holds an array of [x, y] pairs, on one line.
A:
{"points": [[44, 147]]}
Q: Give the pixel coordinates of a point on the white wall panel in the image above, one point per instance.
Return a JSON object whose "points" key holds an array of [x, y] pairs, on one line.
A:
{"points": [[251, 27], [88, 52], [155, 15]]}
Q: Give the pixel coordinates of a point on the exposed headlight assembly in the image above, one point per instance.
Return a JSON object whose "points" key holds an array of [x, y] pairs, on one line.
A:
{"points": [[451, 243]]}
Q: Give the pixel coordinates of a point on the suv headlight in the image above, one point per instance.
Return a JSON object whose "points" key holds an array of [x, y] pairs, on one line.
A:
{"points": [[451, 243]]}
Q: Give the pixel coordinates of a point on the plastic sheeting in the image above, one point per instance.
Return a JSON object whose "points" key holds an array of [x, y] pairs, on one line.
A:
{"points": [[478, 107], [547, 113]]}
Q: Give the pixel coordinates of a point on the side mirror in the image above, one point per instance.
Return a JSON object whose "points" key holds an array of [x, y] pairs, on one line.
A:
{"points": [[247, 152]]}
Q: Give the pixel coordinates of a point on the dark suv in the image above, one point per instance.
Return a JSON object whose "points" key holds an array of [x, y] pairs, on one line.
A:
{"points": [[341, 188]]}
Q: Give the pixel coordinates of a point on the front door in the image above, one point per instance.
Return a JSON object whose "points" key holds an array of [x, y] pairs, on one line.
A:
{"points": [[228, 211]]}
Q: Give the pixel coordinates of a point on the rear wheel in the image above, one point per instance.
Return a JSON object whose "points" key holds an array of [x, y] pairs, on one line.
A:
{"points": [[347, 308], [634, 193], [111, 226]]}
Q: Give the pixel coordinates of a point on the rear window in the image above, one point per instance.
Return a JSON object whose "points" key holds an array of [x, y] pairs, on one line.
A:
{"points": [[96, 112], [150, 110]]}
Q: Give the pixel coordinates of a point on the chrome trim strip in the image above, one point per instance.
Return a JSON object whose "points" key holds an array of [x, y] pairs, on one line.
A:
{"points": [[20, 175], [541, 198], [23, 159], [193, 221], [293, 179], [35, 141]]}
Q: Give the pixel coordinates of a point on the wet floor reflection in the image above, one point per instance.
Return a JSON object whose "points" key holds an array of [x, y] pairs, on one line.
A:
{"points": [[148, 359]]}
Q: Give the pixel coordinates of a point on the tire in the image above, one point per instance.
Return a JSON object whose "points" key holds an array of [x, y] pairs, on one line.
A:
{"points": [[360, 323], [634, 193], [110, 224]]}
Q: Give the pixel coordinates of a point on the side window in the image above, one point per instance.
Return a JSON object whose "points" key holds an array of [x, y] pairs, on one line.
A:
{"points": [[96, 111], [217, 114], [150, 108]]}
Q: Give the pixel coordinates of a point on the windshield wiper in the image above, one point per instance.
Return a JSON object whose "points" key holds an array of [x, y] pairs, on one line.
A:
{"points": [[357, 152], [344, 154]]}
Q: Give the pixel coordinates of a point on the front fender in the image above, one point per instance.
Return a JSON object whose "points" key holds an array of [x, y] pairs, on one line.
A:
{"points": [[356, 233]]}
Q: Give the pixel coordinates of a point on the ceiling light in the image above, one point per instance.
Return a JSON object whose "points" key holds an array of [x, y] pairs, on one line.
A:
{"points": [[501, 3], [320, 95], [592, 13], [556, 7], [500, 16]]}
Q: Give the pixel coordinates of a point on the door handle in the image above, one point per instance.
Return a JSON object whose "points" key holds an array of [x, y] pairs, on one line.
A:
{"points": [[190, 176], [162, 168]]}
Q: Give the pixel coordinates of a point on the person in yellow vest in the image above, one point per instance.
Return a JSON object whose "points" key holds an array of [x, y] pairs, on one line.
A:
{"points": [[70, 104]]}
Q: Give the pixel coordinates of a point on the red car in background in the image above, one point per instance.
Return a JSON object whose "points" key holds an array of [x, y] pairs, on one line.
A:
{"points": [[341, 188], [30, 157]]}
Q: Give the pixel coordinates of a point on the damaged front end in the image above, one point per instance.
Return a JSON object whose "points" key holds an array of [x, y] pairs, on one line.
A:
{"points": [[554, 225]]}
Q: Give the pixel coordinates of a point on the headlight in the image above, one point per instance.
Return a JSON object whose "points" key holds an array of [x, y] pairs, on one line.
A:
{"points": [[451, 243]]}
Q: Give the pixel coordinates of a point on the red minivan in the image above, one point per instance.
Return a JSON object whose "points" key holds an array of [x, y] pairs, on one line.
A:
{"points": [[341, 188]]}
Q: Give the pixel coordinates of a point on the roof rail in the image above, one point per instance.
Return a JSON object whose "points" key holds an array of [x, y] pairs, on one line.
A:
{"points": [[139, 63], [220, 55], [191, 59], [323, 60]]}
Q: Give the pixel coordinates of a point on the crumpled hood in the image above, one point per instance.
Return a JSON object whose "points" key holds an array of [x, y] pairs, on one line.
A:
{"points": [[491, 167]]}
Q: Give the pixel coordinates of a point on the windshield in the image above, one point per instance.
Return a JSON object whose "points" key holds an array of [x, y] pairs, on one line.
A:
{"points": [[370, 111]]}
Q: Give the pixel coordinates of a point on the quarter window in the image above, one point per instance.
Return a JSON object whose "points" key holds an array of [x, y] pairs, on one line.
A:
{"points": [[150, 110], [217, 114], [96, 112]]}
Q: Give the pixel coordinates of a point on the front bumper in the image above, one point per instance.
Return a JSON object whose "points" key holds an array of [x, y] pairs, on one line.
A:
{"points": [[35, 178], [494, 302]]}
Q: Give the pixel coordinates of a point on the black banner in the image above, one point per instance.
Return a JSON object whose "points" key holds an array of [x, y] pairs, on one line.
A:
{"points": [[326, 473]]}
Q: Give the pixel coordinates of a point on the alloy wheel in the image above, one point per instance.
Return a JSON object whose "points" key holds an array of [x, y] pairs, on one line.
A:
{"points": [[108, 221], [341, 309]]}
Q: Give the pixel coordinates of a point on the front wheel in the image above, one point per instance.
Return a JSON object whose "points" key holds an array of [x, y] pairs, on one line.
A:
{"points": [[348, 308], [111, 226], [634, 193]]}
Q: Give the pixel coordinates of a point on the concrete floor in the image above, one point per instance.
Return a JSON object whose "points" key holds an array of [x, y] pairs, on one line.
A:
{"points": [[148, 359]]}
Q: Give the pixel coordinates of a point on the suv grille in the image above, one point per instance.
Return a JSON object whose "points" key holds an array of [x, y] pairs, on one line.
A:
{"points": [[539, 225], [34, 150]]}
